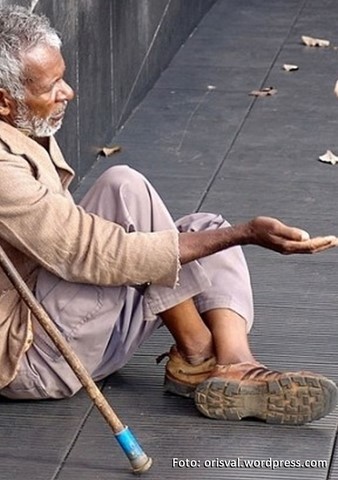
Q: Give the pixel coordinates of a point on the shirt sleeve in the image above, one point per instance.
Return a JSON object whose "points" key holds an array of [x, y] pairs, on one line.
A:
{"points": [[46, 225]]}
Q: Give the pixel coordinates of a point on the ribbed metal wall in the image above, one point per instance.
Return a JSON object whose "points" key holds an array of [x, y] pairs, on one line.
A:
{"points": [[114, 50]]}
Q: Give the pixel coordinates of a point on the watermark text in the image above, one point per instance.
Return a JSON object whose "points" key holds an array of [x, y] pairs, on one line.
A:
{"points": [[269, 463]]}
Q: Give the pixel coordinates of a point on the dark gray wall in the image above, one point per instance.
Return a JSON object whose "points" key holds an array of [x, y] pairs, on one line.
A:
{"points": [[114, 50]]}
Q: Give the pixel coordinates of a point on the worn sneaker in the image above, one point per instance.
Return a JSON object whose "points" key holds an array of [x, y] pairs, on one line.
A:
{"points": [[182, 378], [243, 390]]}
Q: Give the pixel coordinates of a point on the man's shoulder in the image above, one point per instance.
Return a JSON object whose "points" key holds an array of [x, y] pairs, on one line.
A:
{"points": [[12, 140]]}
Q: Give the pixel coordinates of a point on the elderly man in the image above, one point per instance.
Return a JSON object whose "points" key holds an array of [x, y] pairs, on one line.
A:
{"points": [[110, 271]]}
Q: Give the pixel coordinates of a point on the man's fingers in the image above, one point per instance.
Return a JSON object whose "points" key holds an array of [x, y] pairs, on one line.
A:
{"points": [[282, 230], [322, 243], [293, 233], [304, 235], [312, 245]]}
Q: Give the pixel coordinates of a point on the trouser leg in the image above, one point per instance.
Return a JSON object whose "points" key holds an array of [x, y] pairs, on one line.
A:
{"points": [[230, 284], [217, 281], [126, 197]]}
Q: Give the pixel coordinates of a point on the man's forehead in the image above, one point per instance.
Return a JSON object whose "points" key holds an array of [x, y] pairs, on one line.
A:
{"points": [[42, 60]]}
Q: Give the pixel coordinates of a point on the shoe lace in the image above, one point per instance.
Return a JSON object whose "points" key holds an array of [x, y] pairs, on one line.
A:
{"points": [[258, 371]]}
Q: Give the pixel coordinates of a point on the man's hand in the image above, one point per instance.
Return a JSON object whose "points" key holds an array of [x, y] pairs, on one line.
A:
{"points": [[272, 234]]}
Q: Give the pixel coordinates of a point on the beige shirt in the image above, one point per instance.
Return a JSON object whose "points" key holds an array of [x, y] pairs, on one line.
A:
{"points": [[40, 225]]}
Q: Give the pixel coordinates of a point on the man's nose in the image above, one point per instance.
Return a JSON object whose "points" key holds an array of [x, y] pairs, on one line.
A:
{"points": [[65, 92]]}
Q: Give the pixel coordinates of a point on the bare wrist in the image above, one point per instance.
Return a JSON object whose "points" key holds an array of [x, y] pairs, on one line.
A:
{"points": [[244, 234]]}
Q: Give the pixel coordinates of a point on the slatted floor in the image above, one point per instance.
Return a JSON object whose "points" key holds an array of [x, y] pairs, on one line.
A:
{"points": [[207, 145]]}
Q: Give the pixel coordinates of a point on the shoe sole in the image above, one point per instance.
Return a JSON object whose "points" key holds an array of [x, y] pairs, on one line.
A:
{"points": [[178, 388], [291, 400]]}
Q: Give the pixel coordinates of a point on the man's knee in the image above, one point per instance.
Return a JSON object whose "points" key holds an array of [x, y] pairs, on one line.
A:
{"points": [[199, 221], [120, 175]]}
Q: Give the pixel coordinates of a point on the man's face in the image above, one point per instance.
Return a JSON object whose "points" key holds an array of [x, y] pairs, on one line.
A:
{"points": [[46, 94]]}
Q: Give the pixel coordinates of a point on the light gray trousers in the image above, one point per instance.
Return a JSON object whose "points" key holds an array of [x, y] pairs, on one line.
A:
{"points": [[106, 325]]}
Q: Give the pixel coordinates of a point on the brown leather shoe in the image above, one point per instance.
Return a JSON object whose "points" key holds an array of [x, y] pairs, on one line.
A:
{"points": [[243, 390], [182, 378]]}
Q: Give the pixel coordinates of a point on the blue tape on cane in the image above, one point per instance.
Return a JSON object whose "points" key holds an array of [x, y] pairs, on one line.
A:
{"points": [[139, 461], [129, 444]]}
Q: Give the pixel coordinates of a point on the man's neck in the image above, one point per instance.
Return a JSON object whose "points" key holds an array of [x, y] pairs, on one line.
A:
{"points": [[43, 141]]}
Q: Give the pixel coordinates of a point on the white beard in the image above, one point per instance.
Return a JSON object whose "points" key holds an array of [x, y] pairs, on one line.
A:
{"points": [[33, 125]]}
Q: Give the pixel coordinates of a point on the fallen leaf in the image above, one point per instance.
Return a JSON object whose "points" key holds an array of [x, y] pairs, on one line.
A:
{"points": [[329, 157], [315, 42], [264, 92], [289, 68], [108, 151], [336, 89]]}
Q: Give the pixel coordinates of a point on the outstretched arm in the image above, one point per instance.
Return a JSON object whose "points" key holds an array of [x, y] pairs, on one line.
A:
{"points": [[262, 231]]}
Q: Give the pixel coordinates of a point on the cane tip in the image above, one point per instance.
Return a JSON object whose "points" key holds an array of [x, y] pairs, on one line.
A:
{"points": [[139, 469]]}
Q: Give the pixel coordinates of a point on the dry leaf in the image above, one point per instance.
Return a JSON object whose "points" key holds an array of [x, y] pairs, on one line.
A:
{"points": [[315, 42], [329, 157], [108, 151], [264, 92], [289, 68], [336, 89]]}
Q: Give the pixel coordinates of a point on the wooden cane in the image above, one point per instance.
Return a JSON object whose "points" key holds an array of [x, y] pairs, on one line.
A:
{"points": [[139, 461]]}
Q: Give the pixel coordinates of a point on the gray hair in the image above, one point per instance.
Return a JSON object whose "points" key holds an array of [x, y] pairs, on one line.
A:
{"points": [[21, 30]]}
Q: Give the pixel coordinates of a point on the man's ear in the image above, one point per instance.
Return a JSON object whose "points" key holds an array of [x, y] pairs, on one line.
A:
{"points": [[6, 103]]}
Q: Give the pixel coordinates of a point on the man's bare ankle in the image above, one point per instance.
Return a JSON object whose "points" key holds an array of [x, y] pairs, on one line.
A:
{"points": [[234, 359], [196, 358]]}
